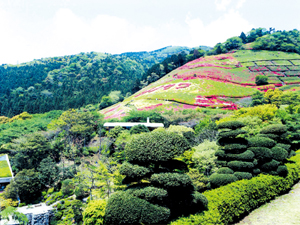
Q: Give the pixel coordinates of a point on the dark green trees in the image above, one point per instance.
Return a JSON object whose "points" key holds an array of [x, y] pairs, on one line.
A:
{"points": [[158, 190], [241, 159], [237, 162]]}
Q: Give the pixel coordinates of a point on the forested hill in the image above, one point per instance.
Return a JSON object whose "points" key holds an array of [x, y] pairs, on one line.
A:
{"points": [[73, 81]]}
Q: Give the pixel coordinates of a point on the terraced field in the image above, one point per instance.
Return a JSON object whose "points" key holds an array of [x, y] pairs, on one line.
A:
{"points": [[211, 81]]}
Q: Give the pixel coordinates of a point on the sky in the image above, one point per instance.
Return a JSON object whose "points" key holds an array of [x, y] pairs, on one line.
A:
{"points": [[34, 29]]}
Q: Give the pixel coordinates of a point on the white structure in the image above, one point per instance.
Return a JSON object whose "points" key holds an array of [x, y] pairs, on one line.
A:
{"points": [[127, 125]]}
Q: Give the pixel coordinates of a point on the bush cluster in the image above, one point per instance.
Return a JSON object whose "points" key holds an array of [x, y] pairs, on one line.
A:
{"points": [[153, 180], [228, 204], [235, 160]]}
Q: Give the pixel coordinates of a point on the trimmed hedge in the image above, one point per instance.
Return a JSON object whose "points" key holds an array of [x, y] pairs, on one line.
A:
{"points": [[232, 141], [228, 204], [272, 136], [240, 165], [231, 134], [218, 180], [225, 170], [231, 125], [220, 153], [133, 171], [274, 129], [285, 146], [243, 175], [234, 147], [171, 180], [123, 208], [262, 154], [261, 142], [245, 156], [269, 166], [155, 146], [279, 154], [151, 194]]}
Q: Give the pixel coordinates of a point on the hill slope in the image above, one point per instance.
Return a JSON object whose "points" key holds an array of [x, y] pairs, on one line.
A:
{"points": [[73, 81], [214, 81]]}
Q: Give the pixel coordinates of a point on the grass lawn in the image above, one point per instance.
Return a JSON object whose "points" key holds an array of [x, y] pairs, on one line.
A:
{"points": [[4, 169]]}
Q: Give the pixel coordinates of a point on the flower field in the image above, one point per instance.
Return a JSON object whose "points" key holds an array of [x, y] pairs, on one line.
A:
{"points": [[211, 81]]}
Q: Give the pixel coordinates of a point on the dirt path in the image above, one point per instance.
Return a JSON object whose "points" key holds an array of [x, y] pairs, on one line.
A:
{"points": [[283, 210]]}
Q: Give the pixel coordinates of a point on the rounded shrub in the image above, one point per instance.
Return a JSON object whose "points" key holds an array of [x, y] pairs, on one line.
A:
{"points": [[221, 163], [199, 201], [292, 153], [269, 166], [261, 153], [123, 208], [171, 180], [245, 156], [231, 125], [231, 141], [274, 129], [151, 194], [243, 175], [134, 172], [218, 180], [282, 170], [272, 136], [256, 171], [261, 142], [225, 170], [220, 154], [231, 134], [234, 147], [284, 146], [279, 154], [137, 129], [240, 165], [155, 146]]}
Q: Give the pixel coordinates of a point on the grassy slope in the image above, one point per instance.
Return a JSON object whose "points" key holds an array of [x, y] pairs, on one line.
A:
{"points": [[4, 169], [230, 75]]}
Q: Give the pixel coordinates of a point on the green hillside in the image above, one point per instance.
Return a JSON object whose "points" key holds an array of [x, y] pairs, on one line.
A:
{"points": [[73, 81], [218, 81]]}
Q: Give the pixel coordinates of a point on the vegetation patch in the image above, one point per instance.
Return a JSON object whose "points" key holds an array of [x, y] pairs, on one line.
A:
{"points": [[4, 169]]}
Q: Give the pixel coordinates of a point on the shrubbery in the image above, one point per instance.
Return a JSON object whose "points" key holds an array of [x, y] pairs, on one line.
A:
{"points": [[229, 203], [153, 182]]}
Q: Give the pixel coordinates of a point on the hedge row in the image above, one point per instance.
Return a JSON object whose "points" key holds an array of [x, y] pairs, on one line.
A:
{"points": [[230, 203]]}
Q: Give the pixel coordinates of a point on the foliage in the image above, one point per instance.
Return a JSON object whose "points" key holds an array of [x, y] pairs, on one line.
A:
{"points": [[26, 185], [204, 157], [75, 80], [141, 116], [67, 187], [218, 180], [167, 145], [137, 129], [11, 211], [154, 180], [124, 208], [180, 129], [115, 132], [94, 213], [261, 80], [49, 172], [273, 97], [229, 203]]}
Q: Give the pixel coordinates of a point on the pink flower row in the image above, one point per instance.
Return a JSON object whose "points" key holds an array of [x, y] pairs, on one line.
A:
{"points": [[150, 107], [112, 109], [165, 87]]}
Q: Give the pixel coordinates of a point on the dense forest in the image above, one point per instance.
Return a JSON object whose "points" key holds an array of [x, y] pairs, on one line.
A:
{"points": [[73, 81]]}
